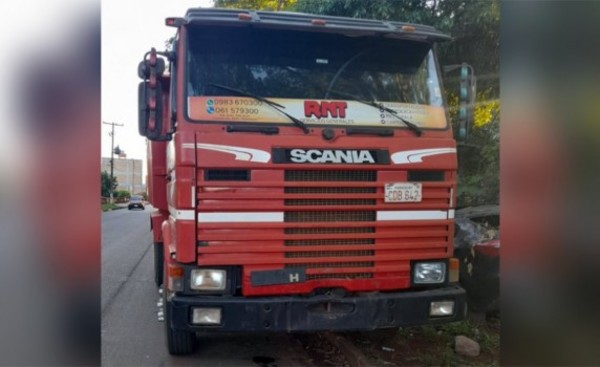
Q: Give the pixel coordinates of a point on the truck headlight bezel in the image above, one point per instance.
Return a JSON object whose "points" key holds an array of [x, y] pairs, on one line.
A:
{"points": [[423, 273], [208, 280]]}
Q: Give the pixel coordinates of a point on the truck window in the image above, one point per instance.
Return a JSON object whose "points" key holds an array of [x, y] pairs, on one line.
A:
{"points": [[311, 65]]}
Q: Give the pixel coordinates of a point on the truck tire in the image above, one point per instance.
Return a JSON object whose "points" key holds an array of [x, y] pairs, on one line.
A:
{"points": [[179, 342], [158, 263]]}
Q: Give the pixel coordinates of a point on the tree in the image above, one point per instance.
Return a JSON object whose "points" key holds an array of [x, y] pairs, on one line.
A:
{"points": [[105, 184], [276, 5]]}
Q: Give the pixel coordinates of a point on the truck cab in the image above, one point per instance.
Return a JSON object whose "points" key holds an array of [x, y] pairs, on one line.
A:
{"points": [[303, 172]]}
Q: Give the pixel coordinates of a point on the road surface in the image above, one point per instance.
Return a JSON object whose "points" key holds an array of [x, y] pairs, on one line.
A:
{"points": [[131, 333]]}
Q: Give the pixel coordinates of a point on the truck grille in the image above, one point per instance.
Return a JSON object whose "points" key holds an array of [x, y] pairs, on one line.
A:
{"points": [[331, 216], [322, 221]]}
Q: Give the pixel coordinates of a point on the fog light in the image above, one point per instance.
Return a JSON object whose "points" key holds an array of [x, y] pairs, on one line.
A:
{"points": [[206, 316], [429, 273], [208, 279], [441, 308]]}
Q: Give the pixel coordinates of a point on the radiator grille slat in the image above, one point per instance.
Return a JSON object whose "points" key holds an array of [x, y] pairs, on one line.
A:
{"points": [[329, 230], [340, 276], [328, 202], [337, 175], [326, 242], [360, 264], [329, 253], [330, 216], [330, 190]]}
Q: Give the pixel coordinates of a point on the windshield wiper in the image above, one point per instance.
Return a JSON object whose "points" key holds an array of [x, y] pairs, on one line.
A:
{"points": [[274, 105], [417, 130]]}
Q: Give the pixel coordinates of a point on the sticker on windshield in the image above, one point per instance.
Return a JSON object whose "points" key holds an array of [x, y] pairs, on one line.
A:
{"points": [[314, 112]]}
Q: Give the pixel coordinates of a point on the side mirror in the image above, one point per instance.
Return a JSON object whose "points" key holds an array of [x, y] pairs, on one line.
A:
{"points": [[144, 68], [466, 99], [150, 123], [151, 119]]}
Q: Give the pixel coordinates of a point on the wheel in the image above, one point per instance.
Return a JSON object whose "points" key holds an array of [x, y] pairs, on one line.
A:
{"points": [[128, 208], [179, 342], [158, 263]]}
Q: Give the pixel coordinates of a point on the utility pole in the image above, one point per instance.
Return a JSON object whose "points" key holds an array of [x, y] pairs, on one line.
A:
{"points": [[112, 154]]}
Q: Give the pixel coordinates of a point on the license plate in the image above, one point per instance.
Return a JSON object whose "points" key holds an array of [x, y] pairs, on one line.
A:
{"points": [[403, 192]]}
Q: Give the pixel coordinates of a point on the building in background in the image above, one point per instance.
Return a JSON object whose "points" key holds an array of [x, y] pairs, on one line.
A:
{"points": [[128, 173]]}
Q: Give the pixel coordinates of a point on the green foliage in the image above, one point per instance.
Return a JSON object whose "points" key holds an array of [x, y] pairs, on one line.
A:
{"points": [[479, 165], [121, 194], [108, 207], [275, 5], [105, 184]]}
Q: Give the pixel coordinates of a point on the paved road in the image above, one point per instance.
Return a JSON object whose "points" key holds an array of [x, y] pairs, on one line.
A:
{"points": [[131, 334]]}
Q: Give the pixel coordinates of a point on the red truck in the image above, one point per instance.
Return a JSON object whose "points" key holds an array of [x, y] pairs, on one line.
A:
{"points": [[303, 174]]}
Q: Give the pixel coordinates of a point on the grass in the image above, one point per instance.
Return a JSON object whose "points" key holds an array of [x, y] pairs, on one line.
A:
{"points": [[445, 355], [107, 207], [434, 345]]}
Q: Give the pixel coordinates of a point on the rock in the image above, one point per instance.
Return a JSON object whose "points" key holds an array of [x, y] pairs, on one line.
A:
{"points": [[466, 346]]}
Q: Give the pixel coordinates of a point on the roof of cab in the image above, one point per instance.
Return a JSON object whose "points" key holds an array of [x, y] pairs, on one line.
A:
{"points": [[314, 23]]}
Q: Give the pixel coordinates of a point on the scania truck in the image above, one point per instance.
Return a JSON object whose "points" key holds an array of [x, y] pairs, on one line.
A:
{"points": [[302, 170]]}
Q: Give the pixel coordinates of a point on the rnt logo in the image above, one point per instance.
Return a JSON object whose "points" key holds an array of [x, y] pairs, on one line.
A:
{"points": [[325, 109]]}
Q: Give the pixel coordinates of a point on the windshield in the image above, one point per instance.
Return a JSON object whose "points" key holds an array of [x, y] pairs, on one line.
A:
{"points": [[135, 199], [289, 66]]}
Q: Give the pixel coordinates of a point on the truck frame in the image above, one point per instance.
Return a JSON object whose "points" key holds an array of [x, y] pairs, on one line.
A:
{"points": [[302, 169]]}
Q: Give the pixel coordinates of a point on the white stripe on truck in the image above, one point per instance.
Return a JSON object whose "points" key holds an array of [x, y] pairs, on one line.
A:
{"points": [[384, 215], [243, 217], [181, 214], [412, 215]]}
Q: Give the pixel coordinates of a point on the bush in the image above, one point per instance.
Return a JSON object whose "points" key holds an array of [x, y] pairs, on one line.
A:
{"points": [[479, 164], [121, 196]]}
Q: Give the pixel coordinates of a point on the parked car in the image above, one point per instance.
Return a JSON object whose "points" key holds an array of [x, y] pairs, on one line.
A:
{"points": [[135, 202]]}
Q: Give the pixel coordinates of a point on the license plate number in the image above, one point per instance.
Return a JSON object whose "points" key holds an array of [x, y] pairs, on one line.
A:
{"points": [[403, 192]]}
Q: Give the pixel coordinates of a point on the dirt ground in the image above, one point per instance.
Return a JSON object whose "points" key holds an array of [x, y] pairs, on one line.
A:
{"points": [[430, 345]]}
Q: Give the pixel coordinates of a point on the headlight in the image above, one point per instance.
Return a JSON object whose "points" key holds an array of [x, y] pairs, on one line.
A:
{"points": [[208, 279], [429, 273]]}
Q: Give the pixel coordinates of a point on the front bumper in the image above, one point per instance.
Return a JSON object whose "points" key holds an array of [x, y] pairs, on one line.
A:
{"points": [[364, 312]]}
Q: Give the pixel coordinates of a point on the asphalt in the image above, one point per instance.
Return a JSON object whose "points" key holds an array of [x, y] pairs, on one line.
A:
{"points": [[131, 333]]}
